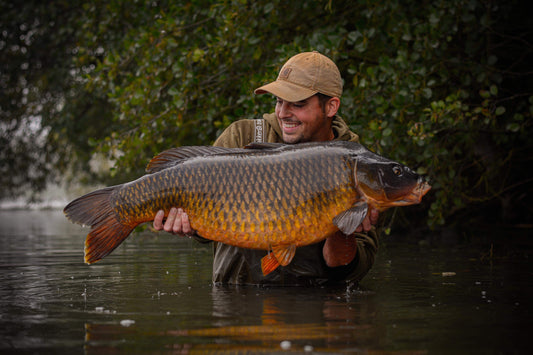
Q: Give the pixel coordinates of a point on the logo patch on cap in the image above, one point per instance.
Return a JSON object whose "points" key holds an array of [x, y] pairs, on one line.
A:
{"points": [[284, 74]]}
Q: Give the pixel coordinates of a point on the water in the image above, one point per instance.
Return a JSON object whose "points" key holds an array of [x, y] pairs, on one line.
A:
{"points": [[153, 295]]}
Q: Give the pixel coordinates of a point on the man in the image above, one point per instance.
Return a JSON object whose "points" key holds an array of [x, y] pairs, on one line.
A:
{"points": [[307, 91]]}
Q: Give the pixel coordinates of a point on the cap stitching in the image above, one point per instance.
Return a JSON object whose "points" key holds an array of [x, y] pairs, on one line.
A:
{"points": [[319, 71]]}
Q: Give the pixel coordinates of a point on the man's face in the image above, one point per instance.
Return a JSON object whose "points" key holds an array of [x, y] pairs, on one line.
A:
{"points": [[303, 121]]}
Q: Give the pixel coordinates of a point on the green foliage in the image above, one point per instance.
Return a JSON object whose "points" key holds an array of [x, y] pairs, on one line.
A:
{"points": [[182, 72], [444, 86], [430, 98], [46, 116]]}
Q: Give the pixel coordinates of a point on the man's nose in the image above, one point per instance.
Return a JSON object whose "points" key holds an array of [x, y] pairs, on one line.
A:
{"points": [[284, 110]]}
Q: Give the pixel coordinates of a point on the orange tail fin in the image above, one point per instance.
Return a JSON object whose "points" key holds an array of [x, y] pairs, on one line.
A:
{"points": [[96, 211]]}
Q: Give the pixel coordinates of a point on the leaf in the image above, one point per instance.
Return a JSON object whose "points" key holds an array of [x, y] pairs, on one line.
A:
{"points": [[421, 170], [500, 110], [513, 127], [173, 92], [197, 55]]}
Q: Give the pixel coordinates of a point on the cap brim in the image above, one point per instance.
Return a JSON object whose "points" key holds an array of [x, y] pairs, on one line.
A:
{"points": [[286, 91]]}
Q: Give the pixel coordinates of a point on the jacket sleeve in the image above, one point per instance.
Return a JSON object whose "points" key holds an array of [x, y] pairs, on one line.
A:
{"points": [[367, 247], [237, 135]]}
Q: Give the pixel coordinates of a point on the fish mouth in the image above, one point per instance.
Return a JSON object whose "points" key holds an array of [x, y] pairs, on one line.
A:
{"points": [[414, 197], [418, 192]]}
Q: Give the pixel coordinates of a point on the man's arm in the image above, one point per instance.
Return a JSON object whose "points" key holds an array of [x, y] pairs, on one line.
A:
{"points": [[340, 249]]}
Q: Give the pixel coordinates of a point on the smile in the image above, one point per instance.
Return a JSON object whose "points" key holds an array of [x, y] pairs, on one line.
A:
{"points": [[290, 124]]}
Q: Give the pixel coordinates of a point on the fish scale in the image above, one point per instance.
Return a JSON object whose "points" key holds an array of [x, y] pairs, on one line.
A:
{"points": [[268, 197], [277, 199]]}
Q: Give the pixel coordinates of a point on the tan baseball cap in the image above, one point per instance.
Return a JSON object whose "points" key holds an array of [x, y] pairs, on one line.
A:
{"points": [[304, 75]]}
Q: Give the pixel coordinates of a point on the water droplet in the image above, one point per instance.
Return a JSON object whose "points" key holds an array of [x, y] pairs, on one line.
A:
{"points": [[285, 345], [126, 322]]}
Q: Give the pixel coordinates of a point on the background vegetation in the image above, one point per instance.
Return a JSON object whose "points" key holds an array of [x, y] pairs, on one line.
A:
{"points": [[444, 86]]}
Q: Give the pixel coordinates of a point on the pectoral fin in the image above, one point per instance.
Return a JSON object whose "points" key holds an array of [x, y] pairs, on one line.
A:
{"points": [[350, 219], [281, 255]]}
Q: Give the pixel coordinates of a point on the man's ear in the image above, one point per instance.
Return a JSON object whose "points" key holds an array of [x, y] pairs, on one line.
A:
{"points": [[332, 106]]}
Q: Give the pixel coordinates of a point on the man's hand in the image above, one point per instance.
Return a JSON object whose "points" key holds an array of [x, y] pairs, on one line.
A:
{"points": [[177, 221], [341, 249], [370, 220]]}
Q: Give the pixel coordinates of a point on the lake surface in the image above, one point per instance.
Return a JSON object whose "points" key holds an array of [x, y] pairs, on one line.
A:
{"points": [[154, 295]]}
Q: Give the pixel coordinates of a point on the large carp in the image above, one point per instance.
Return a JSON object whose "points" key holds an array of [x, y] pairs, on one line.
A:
{"points": [[266, 196]]}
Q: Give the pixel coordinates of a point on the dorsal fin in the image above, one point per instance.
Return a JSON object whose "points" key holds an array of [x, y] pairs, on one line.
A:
{"points": [[173, 156], [264, 145]]}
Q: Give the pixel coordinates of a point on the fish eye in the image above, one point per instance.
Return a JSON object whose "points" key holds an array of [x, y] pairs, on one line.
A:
{"points": [[397, 170]]}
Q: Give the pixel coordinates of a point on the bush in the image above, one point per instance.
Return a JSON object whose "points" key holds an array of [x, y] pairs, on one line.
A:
{"points": [[444, 86]]}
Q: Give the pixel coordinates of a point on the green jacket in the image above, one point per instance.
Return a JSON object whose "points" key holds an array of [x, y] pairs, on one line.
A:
{"points": [[233, 265]]}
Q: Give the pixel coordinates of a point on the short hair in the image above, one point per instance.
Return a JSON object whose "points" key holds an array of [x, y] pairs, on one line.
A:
{"points": [[322, 100]]}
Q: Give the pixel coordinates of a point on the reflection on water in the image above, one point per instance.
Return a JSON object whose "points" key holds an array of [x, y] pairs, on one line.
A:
{"points": [[153, 295], [253, 319]]}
